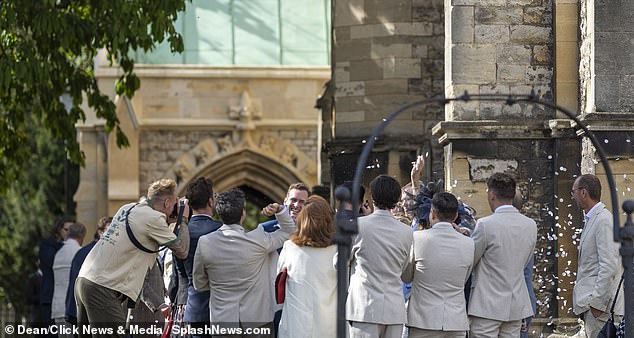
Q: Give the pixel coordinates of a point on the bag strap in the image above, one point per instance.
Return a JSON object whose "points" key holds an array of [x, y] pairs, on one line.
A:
{"points": [[179, 218], [133, 239], [616, 296], [136, 242]]}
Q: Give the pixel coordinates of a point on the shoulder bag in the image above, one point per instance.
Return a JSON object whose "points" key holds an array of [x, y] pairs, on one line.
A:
{"points": [[609, 329]]}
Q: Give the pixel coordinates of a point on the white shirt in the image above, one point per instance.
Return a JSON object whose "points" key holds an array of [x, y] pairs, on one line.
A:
{"points": [[591, 212], [505, 206], [61, 275]]}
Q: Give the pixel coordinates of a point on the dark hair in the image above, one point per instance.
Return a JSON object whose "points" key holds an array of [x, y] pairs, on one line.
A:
{"points": [[348, 184], [503, 185], [76, 230], [386, 192], [199, 191], [102, 225], [518, 199], [592, 185], [422, 204], [229, 205], [315, 226], [321, 190], [59, 225], [298, 186], [446, 204]]}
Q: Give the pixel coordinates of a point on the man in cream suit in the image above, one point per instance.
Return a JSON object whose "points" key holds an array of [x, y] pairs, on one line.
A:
{"points": [[504, 243], [599, 269], [232, 264], [380, 253], [439, 267]]}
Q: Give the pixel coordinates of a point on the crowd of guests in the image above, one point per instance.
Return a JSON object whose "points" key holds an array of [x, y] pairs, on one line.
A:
{"points": [[419, 265]]}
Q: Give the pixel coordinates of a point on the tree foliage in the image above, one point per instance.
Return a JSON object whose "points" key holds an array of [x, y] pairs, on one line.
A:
{"points": [[47, 49], [29, 209]]}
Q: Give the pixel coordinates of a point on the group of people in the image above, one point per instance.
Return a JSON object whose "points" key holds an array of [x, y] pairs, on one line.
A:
{"points": [[60, 257], [442, 281]]}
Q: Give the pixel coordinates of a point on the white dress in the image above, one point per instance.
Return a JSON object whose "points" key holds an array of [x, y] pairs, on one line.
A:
{"points": [[310, 306]]}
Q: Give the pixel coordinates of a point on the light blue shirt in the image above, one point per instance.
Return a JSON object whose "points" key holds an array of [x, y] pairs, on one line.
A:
{"points": [[591, 212]]}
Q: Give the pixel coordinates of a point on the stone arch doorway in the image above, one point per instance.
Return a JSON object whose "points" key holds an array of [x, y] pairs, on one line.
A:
{"points": [[261, 161], [263, 180], [247, 168]]}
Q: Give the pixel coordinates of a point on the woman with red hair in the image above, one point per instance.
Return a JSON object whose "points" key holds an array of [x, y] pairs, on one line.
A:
{"points": [[311, 286]]}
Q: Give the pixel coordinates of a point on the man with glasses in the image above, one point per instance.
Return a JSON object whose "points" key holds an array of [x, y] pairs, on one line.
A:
{"points": [[114, 270], [599, 269]]}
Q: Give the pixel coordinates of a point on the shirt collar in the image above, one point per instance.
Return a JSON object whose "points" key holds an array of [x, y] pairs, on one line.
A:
{"points": [[202, 215], [442, 225], [592, 212], [234, 227], [504, 207], [383, 212], [71, 240]]}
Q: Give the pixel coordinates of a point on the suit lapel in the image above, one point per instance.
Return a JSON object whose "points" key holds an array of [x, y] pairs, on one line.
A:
{"points": [[588, 227]]}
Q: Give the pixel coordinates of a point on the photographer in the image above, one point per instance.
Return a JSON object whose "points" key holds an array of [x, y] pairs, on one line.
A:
{"points": [[114, 270]]}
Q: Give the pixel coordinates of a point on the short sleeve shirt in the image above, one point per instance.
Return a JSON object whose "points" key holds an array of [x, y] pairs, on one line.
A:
{"points": [[115, 262]]}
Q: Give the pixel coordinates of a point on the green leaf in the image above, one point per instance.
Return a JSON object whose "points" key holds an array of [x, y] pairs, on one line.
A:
{"points": [[47, 48]]}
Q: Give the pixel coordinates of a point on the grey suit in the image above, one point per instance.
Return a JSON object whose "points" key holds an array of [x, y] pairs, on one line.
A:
{"points": [[599, 267], [380, 253], [234, 266], [504, 242], [151, 297], [440, 265]]}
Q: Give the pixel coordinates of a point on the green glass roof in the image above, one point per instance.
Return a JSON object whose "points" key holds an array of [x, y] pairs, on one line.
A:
{"points": [[250, 33]]}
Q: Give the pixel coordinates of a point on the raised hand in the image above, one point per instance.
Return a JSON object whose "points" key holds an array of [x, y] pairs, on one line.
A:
{"points": [[417, 170], [271, 209], [417, 167]]}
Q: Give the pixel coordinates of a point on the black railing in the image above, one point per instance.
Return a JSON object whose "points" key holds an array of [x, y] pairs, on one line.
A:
{"points": [[347, 229]]}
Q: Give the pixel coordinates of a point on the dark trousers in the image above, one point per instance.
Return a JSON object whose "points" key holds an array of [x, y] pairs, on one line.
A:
{"points": [[45, 319], [100, 307], [276, 321]]}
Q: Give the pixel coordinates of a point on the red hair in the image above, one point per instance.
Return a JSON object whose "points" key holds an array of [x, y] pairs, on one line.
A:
{"points": [[315, 224]]}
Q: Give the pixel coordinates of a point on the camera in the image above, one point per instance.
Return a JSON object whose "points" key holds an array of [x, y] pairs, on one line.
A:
{"points": [[174, 212]]}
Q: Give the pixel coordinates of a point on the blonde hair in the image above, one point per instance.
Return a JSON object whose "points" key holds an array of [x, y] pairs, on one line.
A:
{"points": [[162, 188], [315, 226]]}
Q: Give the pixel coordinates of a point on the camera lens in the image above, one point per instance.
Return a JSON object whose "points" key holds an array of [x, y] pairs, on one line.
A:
{"points": [[174, 211]]}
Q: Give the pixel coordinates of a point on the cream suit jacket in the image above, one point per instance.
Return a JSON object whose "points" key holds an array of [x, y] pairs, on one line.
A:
{"points": [[234, 266], [504, 242], [440, 266], [599, 266], [380, 253]]}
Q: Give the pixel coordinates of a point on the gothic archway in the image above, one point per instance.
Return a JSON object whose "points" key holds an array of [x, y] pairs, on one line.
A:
{"points": [[247, 168], [263, 162]]}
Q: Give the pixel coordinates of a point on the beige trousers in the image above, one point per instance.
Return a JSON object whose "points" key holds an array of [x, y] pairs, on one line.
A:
{"points": [[373, 330], [421, 333], [489, 328]]}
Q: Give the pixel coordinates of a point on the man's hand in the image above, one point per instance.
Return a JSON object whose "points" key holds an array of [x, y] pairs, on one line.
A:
{"points": [[271, 209], [186, 209], [365, 209], [462, 230], [595, 313], [524, 327], [417, 168]]}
